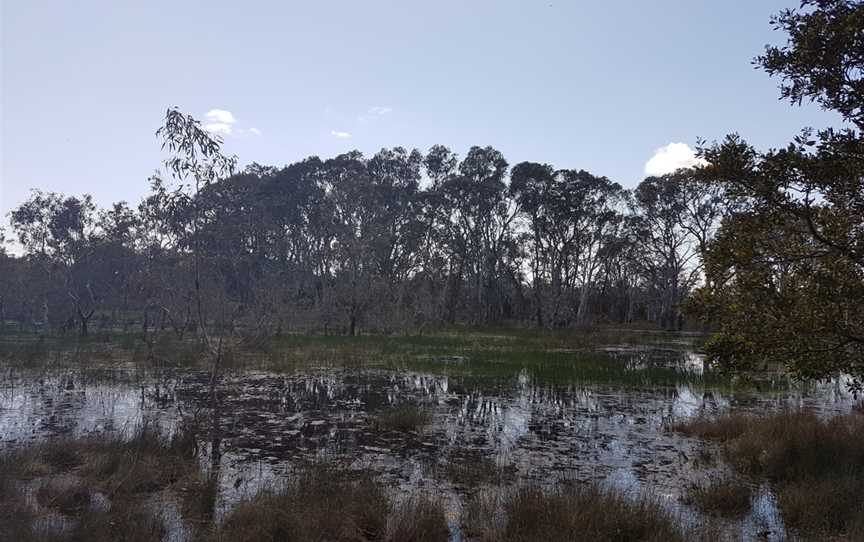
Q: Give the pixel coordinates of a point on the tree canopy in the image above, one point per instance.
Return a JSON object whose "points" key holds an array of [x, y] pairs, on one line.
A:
{"points": [[785, 274]]}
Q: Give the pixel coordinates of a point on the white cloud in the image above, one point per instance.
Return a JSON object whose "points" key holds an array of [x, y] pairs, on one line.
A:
{"points": [[340, 135], [223, 122], [380, 110], [671, 158], [219, 121], [220, 128], [374, 112], [246, 132], [220, 116]]}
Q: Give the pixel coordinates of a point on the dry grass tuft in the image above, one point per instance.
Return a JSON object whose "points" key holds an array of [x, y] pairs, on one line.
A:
{"points": [[418, 519], [725, 497], [569, 513], [325, 503], [473, 470], [816, 467], [67, 475]]}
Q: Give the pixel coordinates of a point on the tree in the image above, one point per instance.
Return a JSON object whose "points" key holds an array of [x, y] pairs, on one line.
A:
{"points": [[196, 156], [58, 234], [477, 227], [532, 185], [787, 268], [661, 207]]}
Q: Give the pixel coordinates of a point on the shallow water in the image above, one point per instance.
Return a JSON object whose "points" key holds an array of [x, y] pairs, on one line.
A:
{"points": [[531, 426]]}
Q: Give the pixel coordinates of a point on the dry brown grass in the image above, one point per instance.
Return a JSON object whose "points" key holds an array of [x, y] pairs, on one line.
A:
{"points": [[725, 497], [816, 467], [325, 503], [66, 476], [418, 519], [474, 470], [574, 512]]}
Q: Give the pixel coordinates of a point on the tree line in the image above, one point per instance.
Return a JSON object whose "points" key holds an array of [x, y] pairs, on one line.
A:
{"points": [[396, 241]]}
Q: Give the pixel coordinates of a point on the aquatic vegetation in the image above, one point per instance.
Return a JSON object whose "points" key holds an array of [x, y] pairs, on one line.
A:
{"points": [[403, 418], [571, 512], [326, 503], [815, 466], [96, 489], [440, 417], [723, 496]]}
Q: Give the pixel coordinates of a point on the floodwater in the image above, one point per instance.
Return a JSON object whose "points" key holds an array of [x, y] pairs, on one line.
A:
{"points": [[526, 427]]}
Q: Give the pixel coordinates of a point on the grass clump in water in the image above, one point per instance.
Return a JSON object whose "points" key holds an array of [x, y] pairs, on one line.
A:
{"points": [[418, 519], [95, 488], [472, 470], [325, 503], [725, 497], [815, 467], [573, 512], [404, 418]]}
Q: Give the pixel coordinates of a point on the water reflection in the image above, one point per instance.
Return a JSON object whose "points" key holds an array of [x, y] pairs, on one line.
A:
{"points": [[539, 430]]}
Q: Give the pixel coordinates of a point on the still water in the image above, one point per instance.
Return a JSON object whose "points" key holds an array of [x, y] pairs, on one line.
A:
{"points": [[525, 426]]}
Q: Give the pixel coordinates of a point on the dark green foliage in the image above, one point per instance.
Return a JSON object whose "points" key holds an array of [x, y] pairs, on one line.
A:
{"points": [[786, 271]]}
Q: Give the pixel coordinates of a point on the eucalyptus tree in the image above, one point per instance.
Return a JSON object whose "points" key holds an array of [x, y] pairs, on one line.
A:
{"points": [[58, 233], [671, 253], [572, 217], [116, 265], [477, 228], [438, 285], [398, 225], [196, 162], [294, 244], [595, 213], [533, 185]]}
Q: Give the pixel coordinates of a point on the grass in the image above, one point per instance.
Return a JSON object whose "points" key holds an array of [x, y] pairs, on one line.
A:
{"points": [[104, 488], [474, 470], [572, 512], [549, 355], [418, 519], [70, 477], [404, 418], [723, 496], [324, 503], [815, 466]]}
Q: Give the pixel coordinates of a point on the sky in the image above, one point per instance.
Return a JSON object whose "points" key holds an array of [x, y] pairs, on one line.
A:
{"points": [[619, 88]]}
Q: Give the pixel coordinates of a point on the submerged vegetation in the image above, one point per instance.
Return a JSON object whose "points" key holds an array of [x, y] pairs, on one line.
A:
{"points": [[601, 355], [724, 496]]}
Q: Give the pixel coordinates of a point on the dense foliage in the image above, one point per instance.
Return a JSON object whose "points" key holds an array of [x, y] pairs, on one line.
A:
{"points": [[786, 271], [399, 240]]}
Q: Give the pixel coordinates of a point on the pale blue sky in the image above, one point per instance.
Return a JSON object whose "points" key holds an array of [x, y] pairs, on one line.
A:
{"points": [[593, 85]]}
